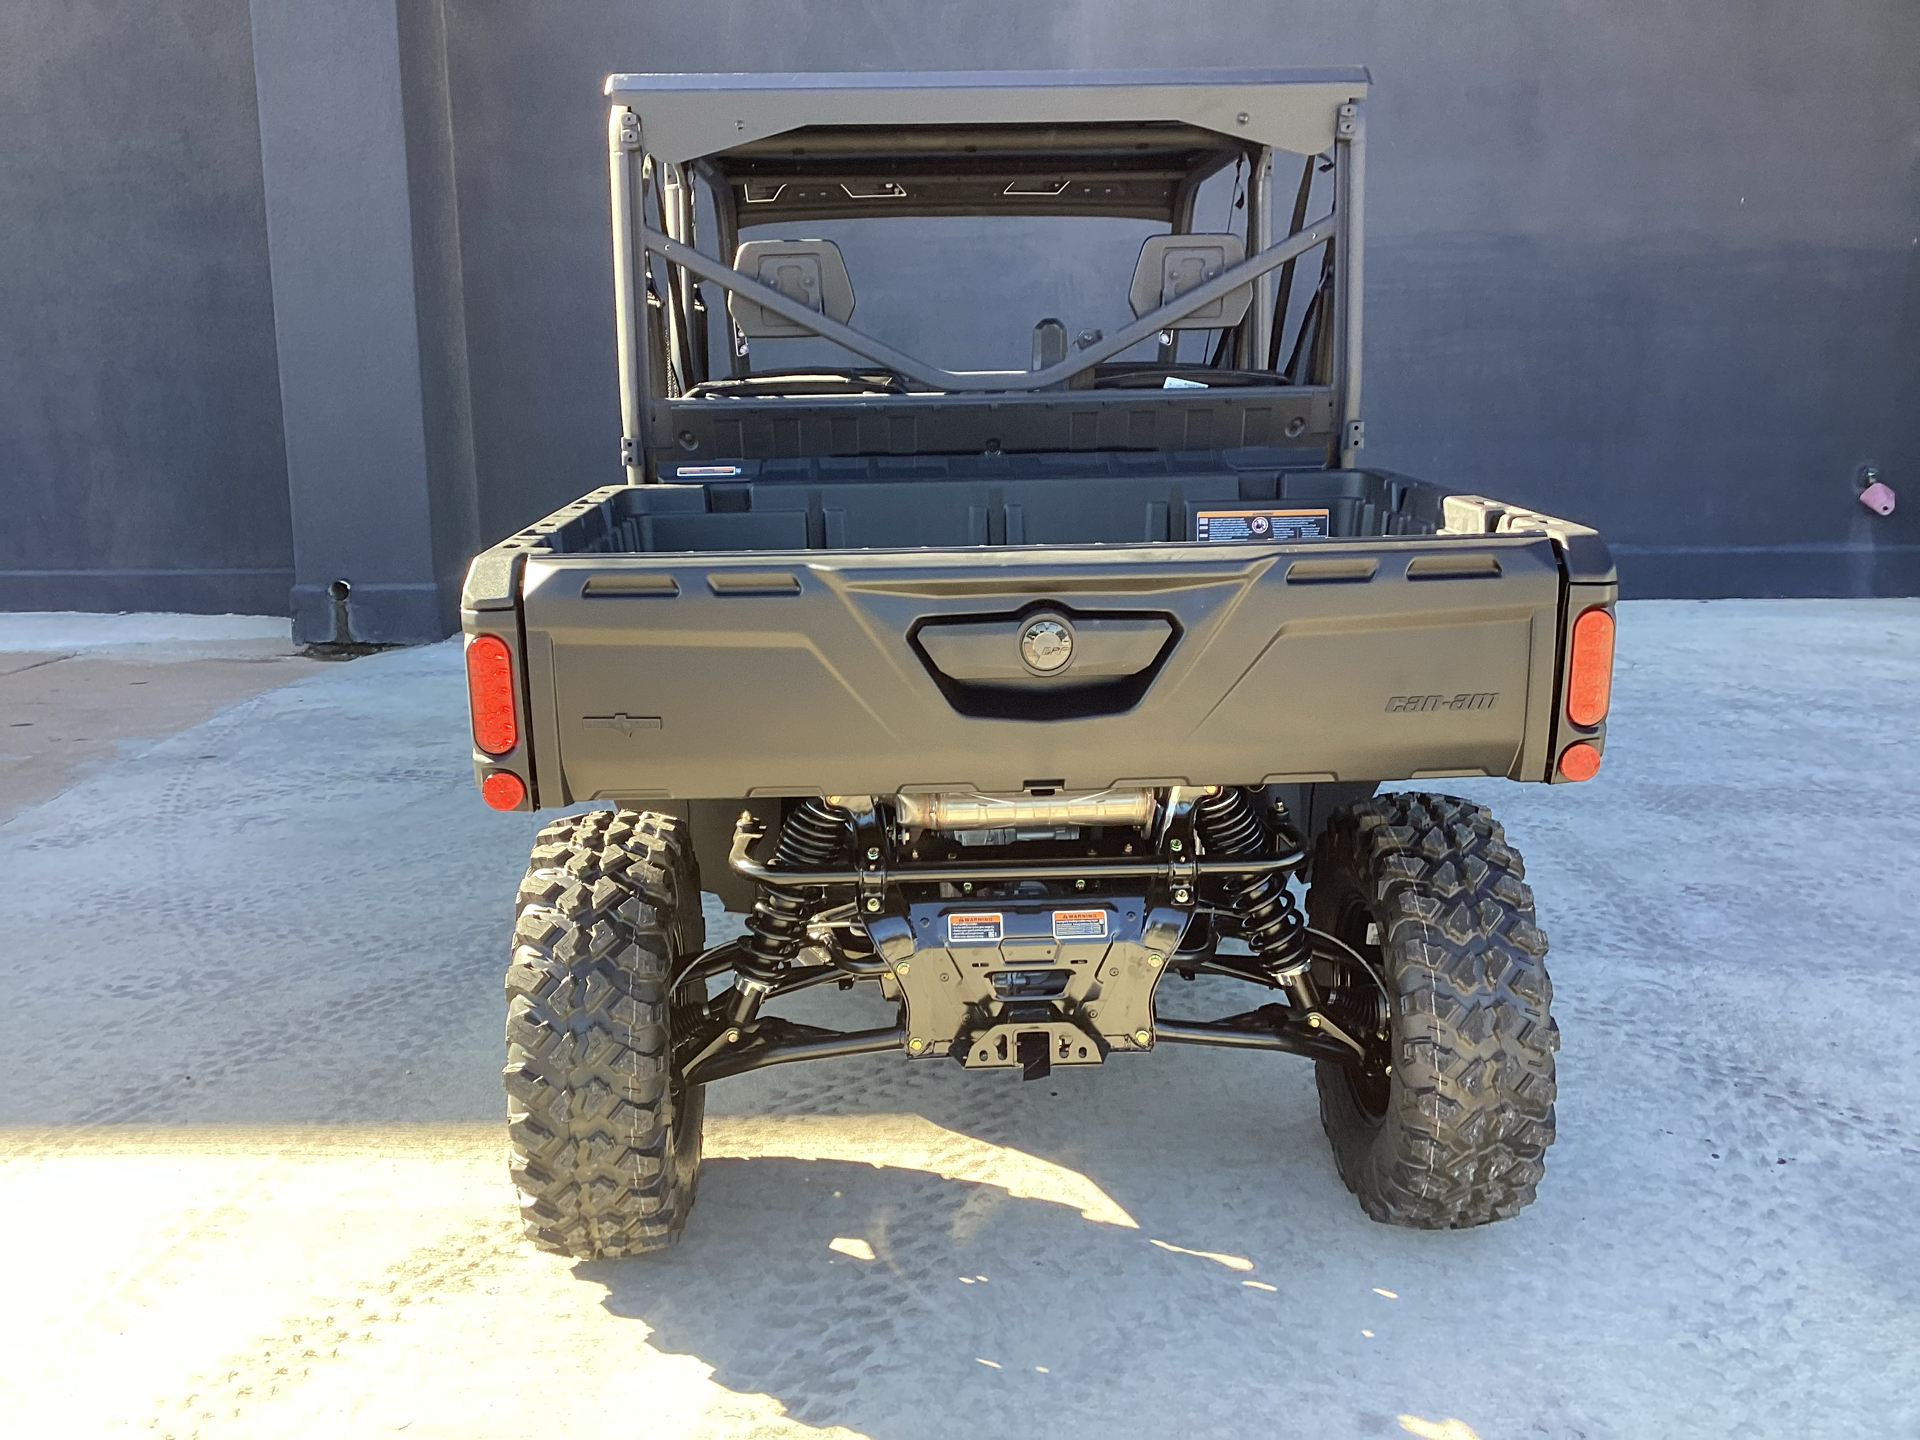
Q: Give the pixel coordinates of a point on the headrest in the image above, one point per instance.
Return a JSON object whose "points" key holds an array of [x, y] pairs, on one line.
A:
{"points": [[1171, 265], [809, 271]]}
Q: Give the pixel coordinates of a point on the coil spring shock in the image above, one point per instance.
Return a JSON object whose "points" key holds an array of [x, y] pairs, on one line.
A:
{"points": [[814, 836], [1270, 921]]}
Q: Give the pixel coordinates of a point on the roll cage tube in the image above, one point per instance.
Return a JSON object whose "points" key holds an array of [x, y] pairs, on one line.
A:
{"points": [[635, 242], [958, 381]]}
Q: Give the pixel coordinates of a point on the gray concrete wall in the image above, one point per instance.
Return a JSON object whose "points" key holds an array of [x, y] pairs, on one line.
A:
{"points": [[1650, 267], [1653, 267], [358, 167], [140, 451]]}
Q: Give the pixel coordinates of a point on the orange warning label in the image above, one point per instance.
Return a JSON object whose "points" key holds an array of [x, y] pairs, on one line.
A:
{"points": [[1079, 924]]}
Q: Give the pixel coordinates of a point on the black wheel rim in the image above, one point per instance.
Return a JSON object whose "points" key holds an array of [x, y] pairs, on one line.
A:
{"points": [[1360, 1003], [686, 1020]]}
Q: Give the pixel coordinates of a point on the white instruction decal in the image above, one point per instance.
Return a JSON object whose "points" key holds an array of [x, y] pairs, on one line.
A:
{"points": [[1079, 924], [979, 929], [1221, 527]]}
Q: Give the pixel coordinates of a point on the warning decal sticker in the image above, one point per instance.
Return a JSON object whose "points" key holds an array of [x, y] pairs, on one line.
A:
{"points": [[1220, 527], [1079, 924], [983, 929]]}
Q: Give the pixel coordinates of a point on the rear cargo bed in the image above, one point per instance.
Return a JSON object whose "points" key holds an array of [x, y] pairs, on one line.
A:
{"points": [[987, 500], [819, 627]]}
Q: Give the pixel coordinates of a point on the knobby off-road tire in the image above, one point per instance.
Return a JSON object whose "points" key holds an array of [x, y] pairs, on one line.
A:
{"points": [[606, 1144], [1457, 1133]]}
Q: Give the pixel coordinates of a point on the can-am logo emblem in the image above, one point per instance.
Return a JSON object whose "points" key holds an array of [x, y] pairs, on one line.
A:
{"points": [[1046, 645], [1422, 704]]}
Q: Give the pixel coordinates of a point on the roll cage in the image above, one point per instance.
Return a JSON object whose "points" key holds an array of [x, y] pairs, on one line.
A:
{"points": [[1119, 143]]}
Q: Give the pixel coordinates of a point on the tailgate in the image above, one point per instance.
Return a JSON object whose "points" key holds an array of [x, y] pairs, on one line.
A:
{"points": [[683, 676]]}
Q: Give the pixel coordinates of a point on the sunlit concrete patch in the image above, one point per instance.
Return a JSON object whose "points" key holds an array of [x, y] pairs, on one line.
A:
{"points": [[324, 1280], [911, 1142], [216, 1281], [319, 1281], [236, 1256], [1232, 1262]]}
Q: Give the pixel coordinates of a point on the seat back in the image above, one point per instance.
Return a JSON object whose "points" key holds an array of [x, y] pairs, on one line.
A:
{"points": [[1171, 265], [809, 271]]}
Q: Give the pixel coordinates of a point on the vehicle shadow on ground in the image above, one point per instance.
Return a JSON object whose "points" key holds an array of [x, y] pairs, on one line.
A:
{"points": [[977, 1313], [1150, 1291]]}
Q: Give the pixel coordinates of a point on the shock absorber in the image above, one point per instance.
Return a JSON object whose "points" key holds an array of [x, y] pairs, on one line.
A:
{"points": [[814, 836], [1270, 921]]}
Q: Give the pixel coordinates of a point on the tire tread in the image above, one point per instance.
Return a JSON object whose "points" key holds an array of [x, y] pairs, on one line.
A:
{"points": [[1470, 1112], [609, 900]]}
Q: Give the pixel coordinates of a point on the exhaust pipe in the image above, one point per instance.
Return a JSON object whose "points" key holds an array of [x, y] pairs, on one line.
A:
{"points": [[970, 810]]}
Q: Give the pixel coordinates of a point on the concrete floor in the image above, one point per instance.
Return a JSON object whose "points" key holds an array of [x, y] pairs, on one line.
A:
{"points": [[254, 1162], [78, 691]]}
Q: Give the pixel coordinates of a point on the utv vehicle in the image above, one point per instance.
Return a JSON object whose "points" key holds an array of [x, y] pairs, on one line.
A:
{"points": [[1024, 695]]}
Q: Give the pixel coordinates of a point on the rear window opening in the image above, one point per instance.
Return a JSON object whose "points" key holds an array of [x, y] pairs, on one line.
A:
{"points": [[998, 251], [965, 291]]}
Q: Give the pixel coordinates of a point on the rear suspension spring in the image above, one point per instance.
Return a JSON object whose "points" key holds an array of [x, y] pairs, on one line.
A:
{"points": [[815, 836], [1271, 922]]}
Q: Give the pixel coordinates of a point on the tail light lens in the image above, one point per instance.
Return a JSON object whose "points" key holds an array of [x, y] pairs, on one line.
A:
{"points": [[503, 790], [1590, 668], [490, 694], [1580, 761]]}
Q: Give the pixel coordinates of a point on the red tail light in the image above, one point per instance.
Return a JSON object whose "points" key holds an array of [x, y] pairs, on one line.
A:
{"points": [[490, 694], [1590, 668], [1580, 761], [503, 790]]}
